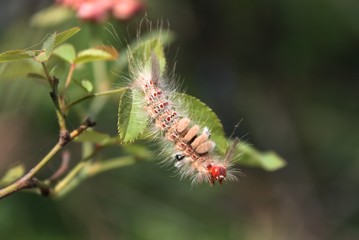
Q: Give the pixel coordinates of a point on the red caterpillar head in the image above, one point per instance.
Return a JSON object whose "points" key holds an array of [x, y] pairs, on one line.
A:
{"points": [[217, 173]]}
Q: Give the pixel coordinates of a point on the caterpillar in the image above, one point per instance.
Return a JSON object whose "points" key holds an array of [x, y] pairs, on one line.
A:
{"points": [[193, 150]]}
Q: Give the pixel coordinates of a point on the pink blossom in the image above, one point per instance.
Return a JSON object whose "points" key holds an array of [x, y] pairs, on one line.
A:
{"points": [[124, 9], [96, 10], [92, 11]]}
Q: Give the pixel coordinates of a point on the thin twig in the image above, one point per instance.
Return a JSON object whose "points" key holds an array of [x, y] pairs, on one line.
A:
{"points": [[57, 100], [69, 76], [110, 92], [110, 164], [86, 169], [69, 178], [27, 181], [63, 167], [48, 77]]}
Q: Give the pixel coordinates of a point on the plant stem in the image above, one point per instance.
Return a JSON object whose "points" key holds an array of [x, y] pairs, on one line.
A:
{"points": [[69, 76], [48, 77], [86, 169], [24, 181], [54, 82], [27, 180], [109, 164], [110, 92], [69, 179]]}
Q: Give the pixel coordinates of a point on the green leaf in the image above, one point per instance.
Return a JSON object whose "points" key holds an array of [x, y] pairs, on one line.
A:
{"points": [[166, 37], [19, 69], [18, 54], [78, 83], [47, 48], [93, 54], [87, 85], [40, 55], [13, 174], [201, 114], [248, 156], [110, 50], [132, 119], [51, 16], [141, 55], [66, 52], [63, 36]]}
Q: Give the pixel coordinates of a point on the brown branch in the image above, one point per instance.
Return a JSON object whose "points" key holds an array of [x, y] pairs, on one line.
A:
{"points": [[28, 180]]}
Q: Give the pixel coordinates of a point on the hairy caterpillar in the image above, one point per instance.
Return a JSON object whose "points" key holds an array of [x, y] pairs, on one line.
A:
{"points": [[192, 148]]}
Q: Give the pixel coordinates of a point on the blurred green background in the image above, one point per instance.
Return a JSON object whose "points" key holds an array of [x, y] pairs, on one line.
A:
{"points": [[287, 69]]}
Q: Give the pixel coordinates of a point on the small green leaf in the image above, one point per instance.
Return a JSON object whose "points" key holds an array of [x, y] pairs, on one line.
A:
{"points": [[51, 16], [18, 54], [47, 48], [78, 83], [110, 50], [87, 85], [132, 119], [13, 174], [248, 156], [63, 36], [40, 55], [166, 37], [93, 54], [201, 114], [141, 55], [66, 52], [19, 69]]}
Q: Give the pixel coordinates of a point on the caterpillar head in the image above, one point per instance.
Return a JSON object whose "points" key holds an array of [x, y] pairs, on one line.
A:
{"points": [[217, 173]]}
